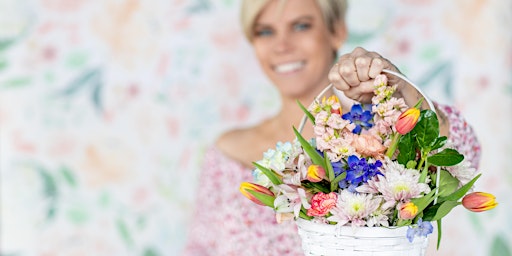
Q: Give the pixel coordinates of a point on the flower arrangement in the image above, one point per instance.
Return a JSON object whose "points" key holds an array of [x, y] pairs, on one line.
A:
{"points": [[380, 165]]}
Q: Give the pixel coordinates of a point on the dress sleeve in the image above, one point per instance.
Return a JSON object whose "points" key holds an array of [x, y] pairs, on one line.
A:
{"points": [[462, 136]]}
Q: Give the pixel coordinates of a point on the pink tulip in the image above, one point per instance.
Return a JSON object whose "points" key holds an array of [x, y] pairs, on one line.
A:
{"points": [[245, 187], [407, 120], [315, 173], [479, 201]]}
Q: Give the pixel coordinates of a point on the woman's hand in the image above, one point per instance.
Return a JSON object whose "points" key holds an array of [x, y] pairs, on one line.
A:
{"points": [[354, 72]]}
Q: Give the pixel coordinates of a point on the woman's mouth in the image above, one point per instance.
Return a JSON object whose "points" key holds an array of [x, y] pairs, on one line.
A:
{"points": [[289, 67]]}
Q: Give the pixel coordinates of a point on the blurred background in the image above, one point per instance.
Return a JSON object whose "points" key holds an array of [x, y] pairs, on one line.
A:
{"points": [[106, 108]]}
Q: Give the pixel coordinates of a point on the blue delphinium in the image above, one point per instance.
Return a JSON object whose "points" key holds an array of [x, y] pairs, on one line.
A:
{"points": [[362, 118], [423, 228], [359, 171]]}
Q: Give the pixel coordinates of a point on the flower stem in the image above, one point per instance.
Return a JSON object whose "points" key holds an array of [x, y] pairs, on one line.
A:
{"points": [[394, 144]]}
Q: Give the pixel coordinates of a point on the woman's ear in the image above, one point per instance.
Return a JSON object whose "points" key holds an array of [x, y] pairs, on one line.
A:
{"points": [[339, 35]]}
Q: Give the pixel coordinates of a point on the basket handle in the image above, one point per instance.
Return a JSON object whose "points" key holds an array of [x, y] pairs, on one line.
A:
{"points": [[404, 78]]}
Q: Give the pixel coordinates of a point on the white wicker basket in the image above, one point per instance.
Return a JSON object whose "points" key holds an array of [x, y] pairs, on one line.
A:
{"points": [[329, 240]]}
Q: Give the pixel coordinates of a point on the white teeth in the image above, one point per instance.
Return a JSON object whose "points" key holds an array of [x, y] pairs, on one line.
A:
{"points": [[289, 67]]}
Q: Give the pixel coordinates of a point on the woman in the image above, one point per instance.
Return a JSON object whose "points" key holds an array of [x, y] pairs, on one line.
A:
{"points": [[296, 44]]}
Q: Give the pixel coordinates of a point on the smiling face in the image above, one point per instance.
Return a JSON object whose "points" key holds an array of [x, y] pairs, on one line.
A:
{"points": [[294, 46]]}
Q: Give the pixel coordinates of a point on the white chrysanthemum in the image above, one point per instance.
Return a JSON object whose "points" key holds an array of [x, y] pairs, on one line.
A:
{"points": [[354, 208], [378, 218], [398, 184]]}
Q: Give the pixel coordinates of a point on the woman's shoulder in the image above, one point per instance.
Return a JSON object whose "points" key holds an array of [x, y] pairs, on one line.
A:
{"points": [[244, 145]]}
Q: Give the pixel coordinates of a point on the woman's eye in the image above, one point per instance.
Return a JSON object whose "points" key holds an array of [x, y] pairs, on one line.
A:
{"points": [[263, 32], [301, 26]]}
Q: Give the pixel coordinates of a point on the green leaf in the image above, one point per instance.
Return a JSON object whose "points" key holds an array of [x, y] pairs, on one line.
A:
{"points": [[306, 112], [447, 183], [439, 233], [4, 44], [427, 129], [500, 247], [438, 211], [122, 228], [265, 199], [320, 188], [439, 142], [269, 173], [424, 201], [303, 214], [447, 157], [455, 196], [339, 178], [68, 176], [406, 148], [310, 150]]}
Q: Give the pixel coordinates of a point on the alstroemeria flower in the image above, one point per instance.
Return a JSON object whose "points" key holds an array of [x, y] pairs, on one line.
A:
{"points": [[322, 203], [407, 211], [407, 120], [479, 201], [246, 187], [315, 173], [292, 199]]}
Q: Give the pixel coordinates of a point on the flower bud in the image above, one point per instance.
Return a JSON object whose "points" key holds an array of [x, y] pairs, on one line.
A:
{"points": [[407, 120], [408, 211], [257, 193], [479, 201], [315, 173]]}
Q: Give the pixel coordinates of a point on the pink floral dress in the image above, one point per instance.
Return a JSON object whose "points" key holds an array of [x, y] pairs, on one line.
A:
{"points": [[225, 223]]}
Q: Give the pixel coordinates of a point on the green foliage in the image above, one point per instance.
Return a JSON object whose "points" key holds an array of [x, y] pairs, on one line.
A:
{"points": [[407, 148], [447, 183], [500, 247], [269, 173], [310, 150], [426, 130], [447, 157], [307, 113], [265, 199]]}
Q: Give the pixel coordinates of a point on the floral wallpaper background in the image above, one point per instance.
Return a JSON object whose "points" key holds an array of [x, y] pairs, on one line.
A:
{"points": [[106, 108]]}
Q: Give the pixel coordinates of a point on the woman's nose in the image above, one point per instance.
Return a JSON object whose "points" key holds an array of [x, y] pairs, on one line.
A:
{"points": [[283, 43]]}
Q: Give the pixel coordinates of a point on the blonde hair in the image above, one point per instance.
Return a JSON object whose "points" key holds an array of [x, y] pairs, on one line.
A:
{"points": [[333, 11]]}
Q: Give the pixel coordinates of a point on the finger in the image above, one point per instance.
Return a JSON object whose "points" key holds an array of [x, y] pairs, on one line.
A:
{"points": [[336, 80], [348, 72], [376, 67], [363, 67], [362, 93]]}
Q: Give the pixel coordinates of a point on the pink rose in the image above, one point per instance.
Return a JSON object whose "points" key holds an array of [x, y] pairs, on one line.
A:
{"points": [[322, 203]]}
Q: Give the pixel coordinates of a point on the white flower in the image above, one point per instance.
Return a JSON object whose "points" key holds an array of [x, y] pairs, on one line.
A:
{"points": [[354, 208], [291, 200], [463, 172], [398, 184]]}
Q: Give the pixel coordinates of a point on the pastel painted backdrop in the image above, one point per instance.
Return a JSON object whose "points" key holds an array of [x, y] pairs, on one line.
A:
{"points": [[106, 108]]}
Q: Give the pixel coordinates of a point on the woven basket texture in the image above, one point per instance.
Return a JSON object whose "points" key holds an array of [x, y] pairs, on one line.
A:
{"points": [[330, 240]]}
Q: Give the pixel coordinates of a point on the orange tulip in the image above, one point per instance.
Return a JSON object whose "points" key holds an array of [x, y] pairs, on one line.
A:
{"points": [[257, 193], [479, 201], [408, 211], [315, 173], [407, 120]]}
